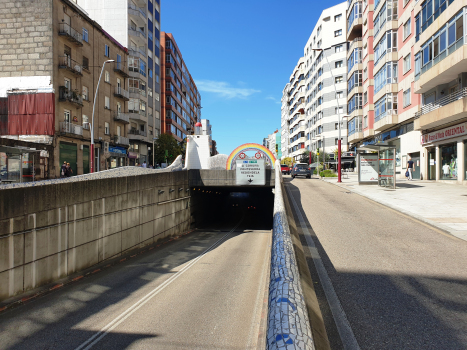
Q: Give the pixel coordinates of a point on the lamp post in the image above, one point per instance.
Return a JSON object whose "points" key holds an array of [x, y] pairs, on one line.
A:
{"points": [[92, 124], [339, 146]]}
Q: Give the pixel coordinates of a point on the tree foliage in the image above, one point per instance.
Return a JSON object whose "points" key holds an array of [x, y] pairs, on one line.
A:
{"points": [[163, 143], [288, 161]]}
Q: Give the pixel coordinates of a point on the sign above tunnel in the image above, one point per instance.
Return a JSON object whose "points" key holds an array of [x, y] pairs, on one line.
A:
{"points": [[250, 172]]}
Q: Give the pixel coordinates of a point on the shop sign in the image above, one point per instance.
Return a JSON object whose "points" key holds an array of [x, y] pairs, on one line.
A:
{"points": [[132, 155], [369, 167], [120, 150], [446, 133]]}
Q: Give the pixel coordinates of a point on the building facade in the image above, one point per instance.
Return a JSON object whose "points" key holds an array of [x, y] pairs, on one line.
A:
{"points": [[440, 53], [63, 59], [382, 101], [136, 25], [326, 76], [181, 100], [285, 122]]}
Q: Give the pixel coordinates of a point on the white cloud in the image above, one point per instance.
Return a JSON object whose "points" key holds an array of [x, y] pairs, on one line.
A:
{"points": [[224, 89], [273, 99]]}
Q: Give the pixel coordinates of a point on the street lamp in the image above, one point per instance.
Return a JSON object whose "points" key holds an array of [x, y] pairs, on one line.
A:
{"points": [[339, 175], [92, 124]]}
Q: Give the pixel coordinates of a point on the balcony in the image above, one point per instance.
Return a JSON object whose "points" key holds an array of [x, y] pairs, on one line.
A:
{"points": [[121, 68], [138, 52], [137, 13], [137, 93], [448, 109], [121, 117], [354, 28], [122, 93], [356, 136], [64, 29], [357, 42], [120, 140], [138, 34], [135, 134], [136, 114], [69, 128], [65, 62], [73, 97], [389, 119]]}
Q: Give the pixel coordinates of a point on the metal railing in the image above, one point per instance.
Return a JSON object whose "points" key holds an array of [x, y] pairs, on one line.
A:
{"points": [[455, 96], [67, 62], [122, 117], [70, 128], [119, 91], [137, 132], [122, 140], [139, 9], [66, 30], [137, 50], [71, 96], [138, 31], [134, 90]]}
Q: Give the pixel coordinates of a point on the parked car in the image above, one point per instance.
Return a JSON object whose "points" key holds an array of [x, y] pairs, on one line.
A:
{"points": [[285, 169], [301, 169]]}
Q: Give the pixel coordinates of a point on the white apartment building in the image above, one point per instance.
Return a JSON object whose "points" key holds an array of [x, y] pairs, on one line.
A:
{"points": [[325, 82], [136, 25], [284, 122]]}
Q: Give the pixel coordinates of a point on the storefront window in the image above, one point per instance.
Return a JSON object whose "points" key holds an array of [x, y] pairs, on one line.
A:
{"points": [[448, 162]]}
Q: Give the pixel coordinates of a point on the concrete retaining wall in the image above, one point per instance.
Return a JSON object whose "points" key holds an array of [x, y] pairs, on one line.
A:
{"points": [[48, 232]]}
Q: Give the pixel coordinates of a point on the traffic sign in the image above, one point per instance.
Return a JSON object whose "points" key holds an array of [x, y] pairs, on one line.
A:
{"points": [[250, 172]]}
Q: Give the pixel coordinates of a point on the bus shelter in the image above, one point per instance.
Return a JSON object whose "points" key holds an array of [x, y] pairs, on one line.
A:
{"points": [[377, 164], [17, 164]]}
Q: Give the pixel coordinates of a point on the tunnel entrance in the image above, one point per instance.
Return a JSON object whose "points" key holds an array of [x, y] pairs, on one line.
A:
{"points": [[220, 206]]}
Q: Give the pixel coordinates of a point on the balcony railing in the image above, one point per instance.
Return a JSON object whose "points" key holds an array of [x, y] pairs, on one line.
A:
{"points": [[137, 132], [430, 107], [121, 92], [121, 68], [134, 90], [71, 65], [120, 140], [64, 29], [121, 117], [69, 128], [65, 95], [137, 32], [134, 50], [138, 10]]}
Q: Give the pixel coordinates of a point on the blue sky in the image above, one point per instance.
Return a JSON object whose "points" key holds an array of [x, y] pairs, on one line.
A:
{"points": [[241, 54]]}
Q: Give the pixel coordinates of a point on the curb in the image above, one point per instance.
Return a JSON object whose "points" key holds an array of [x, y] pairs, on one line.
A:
{"points": [[412, 216], [86, 273]]}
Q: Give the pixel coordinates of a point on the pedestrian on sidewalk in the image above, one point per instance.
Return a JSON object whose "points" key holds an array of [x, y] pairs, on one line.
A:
{"points": [[68, 171], [410, 168], [63, 170]]}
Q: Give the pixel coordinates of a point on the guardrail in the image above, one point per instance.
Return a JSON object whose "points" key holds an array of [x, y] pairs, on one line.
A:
{"points": [[430, 107], [288, 324]]}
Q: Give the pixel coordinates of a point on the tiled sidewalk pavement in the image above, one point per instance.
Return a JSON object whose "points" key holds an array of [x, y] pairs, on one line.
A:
{"points": [[438, 204]]}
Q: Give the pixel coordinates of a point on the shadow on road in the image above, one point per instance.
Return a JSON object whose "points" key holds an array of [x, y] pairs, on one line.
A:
{"points": [[389, 311]]}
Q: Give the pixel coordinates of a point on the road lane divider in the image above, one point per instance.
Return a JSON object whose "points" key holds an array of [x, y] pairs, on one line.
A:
{"points": [[93, 340]]}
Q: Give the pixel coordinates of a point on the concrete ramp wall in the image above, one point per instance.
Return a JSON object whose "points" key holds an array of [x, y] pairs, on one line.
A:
{"points": [[50, 231]]}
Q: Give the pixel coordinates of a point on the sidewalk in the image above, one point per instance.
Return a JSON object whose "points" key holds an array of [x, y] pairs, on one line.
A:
{"points": [[438, 204]]}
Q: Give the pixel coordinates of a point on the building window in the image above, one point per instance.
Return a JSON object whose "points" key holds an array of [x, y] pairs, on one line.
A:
{"points": [[407, 63], [85, 122], [365, 121], [339, 79], [339, 48], [106, 128], [365, 98], [339, 64], [340, 94], [107, 77], [85, 35], [107, 102], [68, 84], [119, 130], [66, 115], [85, 63], [107, 51], [365, 74], [85, 93], [336, 126], [336, 141], [337, 17], [406, 98], [407, 29], [339, 110], [338, 32]]}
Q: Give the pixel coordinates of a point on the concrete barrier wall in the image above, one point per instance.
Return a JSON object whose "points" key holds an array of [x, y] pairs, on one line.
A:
{"points": [[48, 232], [288, 323]]}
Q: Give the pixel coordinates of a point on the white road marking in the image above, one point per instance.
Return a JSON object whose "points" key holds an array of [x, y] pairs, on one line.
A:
{"points": [[88, 344], [342, 323]]}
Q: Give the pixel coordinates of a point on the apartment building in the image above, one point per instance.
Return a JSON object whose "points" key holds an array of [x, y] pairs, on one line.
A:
{"points": [[325, 89], [136, 25], [284, 122], [49, 76], [181, 100], [381, 48], [440, 53]]}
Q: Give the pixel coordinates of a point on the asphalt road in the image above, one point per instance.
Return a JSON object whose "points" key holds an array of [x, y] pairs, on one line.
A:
{"points": [[401, 283], [173, 297]]}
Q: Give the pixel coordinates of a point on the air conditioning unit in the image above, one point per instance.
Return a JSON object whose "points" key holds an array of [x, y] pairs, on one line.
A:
{"points": [[106, 146]]}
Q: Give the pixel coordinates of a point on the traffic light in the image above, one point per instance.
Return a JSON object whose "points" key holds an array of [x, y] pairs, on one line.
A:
{"points": [[277, 148]]}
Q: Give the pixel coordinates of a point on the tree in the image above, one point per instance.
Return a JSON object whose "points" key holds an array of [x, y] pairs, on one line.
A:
{"points": [[288, 161], [336, 152], [166, 142]]}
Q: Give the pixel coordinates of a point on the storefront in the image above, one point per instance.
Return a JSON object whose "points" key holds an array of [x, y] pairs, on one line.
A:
{"points": [[446, 151], [118, 157], [18, 164], [133, 158]]}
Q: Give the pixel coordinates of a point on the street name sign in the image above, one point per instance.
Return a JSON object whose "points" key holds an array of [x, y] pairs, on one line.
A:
{"points": [[250, 172]]}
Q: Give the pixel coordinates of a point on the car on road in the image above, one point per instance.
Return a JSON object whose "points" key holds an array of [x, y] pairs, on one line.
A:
{"points": [[285, 169], [301, 169]]}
